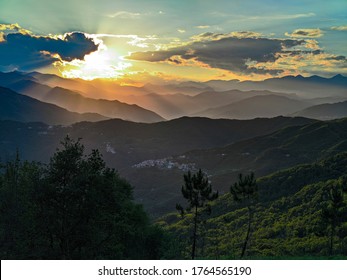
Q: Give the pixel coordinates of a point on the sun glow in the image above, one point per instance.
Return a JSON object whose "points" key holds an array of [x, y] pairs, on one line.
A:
{"points": [[104, 63]]}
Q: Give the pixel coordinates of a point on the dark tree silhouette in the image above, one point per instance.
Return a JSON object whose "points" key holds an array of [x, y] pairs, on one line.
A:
{"points": [[20, 233], [197, 190], [246, 191], [73, 208]]}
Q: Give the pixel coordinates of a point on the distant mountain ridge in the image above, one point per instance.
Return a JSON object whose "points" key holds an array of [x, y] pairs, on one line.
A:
{"points": [[325, 111], [14, 106], [263, 106], [154, 156], [176, 105], [180, 99], [312, 87], [74, 101]]}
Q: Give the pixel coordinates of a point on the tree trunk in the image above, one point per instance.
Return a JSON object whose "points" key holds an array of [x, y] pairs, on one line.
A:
{"points": [[194, 232], [331, 243], [248, 233]]}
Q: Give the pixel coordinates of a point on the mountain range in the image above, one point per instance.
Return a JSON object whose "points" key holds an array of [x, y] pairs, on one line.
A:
{"points": [[154, 157], [76, 102], [309, 87], [265, 106], [125, 145], [324, 111], [127, 125], [216, 99]]}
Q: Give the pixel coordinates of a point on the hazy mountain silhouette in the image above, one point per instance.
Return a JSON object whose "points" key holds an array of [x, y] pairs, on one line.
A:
{"points": [[186, 89], [97, 89], [14, 106], [113, 109], [9, 78], [311, 87], [257, 106], [325, 111], [169, 106], [184, 99], [176, 105], [75, 102]]}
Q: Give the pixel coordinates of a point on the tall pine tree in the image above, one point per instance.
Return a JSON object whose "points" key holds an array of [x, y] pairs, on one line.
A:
{"points": [[332, 212], [197, 190], [246, 191]]}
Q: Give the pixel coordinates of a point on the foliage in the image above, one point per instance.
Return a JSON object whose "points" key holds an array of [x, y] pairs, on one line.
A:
{"points": [[287, 221], [20, 230], [76, 207], [73, 208]]}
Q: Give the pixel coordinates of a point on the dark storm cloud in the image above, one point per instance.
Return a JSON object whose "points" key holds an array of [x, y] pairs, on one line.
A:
{"points": [[27, 52], [232, 53]]}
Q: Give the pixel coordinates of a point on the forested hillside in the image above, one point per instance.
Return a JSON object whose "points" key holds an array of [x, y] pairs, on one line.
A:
{"points": [[300, 213], [75, 207], [72, 208]]}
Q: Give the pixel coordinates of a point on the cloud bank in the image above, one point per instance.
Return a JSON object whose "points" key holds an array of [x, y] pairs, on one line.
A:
{"points": [[249, 53], [21, 50], [234, 52]]}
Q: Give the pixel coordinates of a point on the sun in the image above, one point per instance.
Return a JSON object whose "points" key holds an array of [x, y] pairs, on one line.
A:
{"points": [[105, 63]]}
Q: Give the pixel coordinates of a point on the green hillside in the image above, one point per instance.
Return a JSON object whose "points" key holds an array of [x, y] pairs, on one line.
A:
{"points": [[263, 155], [284, 148], [287, 222]]}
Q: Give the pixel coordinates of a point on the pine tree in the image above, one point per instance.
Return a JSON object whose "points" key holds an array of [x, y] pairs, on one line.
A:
{"points": [[197, 190], [89, 209], [246, 191], [331, 212]]}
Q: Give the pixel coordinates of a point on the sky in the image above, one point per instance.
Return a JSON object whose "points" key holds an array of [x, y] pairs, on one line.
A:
{"points": [[137, 41]]}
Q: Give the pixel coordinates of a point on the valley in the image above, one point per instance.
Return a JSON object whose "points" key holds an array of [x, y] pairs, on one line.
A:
{"points": [[184, 128]]}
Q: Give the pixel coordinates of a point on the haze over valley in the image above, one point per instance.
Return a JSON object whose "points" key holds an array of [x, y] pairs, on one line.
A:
{"points": [[198, 130]]}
